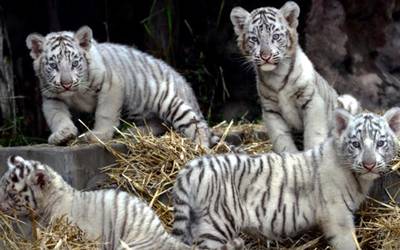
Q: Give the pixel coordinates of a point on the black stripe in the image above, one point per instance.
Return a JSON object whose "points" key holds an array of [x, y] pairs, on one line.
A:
{"points": [[272, 112], [273, 221], [283, 232], [291, 67]]}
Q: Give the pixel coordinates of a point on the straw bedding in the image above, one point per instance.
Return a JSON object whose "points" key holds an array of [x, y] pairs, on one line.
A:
{"points": [[148, 169]]}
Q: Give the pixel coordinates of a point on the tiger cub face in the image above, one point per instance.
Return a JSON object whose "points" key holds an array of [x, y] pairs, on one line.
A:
{"points": [[367, 142], [266, 35], [22, 186], [60, 60]]}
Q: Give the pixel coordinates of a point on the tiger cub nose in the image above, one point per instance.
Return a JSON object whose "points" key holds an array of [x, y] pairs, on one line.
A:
{"points": [[369, 165], [66, 84], [265, 56]]}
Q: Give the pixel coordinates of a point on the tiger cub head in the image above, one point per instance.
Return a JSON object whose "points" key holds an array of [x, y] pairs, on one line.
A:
{"points": [[367, 142], [267, 35], [23, 186], [60, 60]]}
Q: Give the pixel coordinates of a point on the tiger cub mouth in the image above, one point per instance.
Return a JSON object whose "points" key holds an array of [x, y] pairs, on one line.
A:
{"points": [[268, 66]]}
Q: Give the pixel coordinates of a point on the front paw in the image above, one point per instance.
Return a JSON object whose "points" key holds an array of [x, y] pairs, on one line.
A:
{"points": [[95, 136], [62, 136]]}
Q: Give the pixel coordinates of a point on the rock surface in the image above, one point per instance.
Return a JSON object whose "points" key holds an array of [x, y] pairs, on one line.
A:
{"points": [[355, 46]]}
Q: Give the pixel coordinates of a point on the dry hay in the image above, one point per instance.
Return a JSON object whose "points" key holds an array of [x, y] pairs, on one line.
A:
{"points": [[59, 234], [9, 238], [379, 226], [62, 234]]}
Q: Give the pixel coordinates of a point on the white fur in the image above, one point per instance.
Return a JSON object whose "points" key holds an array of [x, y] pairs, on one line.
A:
{"points": [[114, 78], [283, 195]]}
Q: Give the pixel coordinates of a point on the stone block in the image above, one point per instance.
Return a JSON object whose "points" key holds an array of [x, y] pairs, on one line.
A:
{"points": [[79, 165]]}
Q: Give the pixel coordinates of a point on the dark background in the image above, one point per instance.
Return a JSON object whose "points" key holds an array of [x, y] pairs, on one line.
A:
{"points": [[354, 44]]}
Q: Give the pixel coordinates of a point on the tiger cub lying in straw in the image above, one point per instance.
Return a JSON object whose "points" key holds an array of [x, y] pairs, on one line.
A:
{"points": [[119, 219], [76, 72], [281, 195], [294, 97]]}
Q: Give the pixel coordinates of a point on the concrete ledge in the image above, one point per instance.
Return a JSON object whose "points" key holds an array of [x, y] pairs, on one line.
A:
{"points": [[77, 164]]}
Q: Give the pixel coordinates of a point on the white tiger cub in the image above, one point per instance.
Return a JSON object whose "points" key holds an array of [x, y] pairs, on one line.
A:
{"points": [[294, 97], [110, 215], [281, 195], [76, 72]]}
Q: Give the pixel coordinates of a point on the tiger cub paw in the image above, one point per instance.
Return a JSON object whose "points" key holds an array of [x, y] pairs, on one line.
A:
{"points": [[234, 244], [62, 136], [95, 136]]}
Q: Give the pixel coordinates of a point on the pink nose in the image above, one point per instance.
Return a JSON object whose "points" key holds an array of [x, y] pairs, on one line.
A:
{"points": [[66, 85], [265, 56], [368, 165]]}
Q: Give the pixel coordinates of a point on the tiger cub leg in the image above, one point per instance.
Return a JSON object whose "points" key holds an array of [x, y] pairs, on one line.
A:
{"points": [[184, 119], [59, 120], [315, 122], [216, 233], [279, 133], [338, 229], [108, 111]]}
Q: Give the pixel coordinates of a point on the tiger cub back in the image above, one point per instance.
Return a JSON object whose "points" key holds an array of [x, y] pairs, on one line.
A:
{"points": [[117, 218], [282, 195]]}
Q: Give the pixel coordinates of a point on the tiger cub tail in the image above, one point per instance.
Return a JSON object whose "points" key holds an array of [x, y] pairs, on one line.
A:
{"points": [[349, 103]]}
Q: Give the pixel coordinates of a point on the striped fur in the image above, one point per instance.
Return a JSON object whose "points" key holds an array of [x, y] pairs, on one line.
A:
{"points": [[78, 73], [112, 215], [294, 97], [281, 195]]}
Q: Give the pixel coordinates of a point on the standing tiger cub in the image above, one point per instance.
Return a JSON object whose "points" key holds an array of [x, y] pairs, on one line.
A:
{"points": [[294, 97], [281, 195], [108, 215], [76, 72]]}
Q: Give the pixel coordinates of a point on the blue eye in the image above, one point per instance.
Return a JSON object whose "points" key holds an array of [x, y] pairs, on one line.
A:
{"points": [[380, 143], [275, 36], [254, 39], [75, 63], [53, 65], [355, 144]]}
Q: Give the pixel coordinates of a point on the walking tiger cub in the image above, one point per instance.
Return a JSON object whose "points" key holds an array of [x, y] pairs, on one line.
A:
{"points": [[294, 97], [112, 215], [281, 195], [76, 72]]}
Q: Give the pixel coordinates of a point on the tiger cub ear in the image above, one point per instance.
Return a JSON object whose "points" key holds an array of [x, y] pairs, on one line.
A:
{"points": [[41, 178], [239, 18], [342, 119], [14, 160], [84, 37], [35, 43], [291, 11], [392, 116]]}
